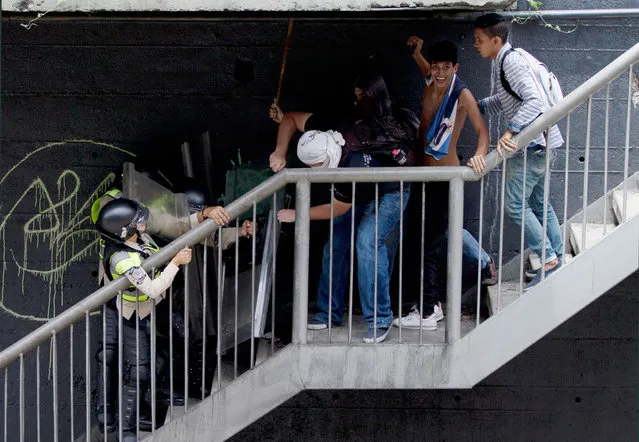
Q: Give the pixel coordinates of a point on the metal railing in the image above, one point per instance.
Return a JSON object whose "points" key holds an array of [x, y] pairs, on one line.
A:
{"points": [[72, 318]]}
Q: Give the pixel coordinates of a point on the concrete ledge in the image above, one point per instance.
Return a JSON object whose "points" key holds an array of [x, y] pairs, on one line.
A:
{"points": [[243, 5]]}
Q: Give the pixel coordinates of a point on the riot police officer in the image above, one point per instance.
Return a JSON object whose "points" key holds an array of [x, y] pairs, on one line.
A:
{"points": [[122, 222]]}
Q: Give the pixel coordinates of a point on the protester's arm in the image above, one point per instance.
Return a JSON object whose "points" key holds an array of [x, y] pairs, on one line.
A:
{"points": [[490, 105], [291, 122], [416, 44], [470, 105], [317, 212], [221, 217], [520, 78]]}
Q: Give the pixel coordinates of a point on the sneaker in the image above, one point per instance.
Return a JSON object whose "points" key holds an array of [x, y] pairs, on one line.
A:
{"points": [[413, 320], [316, 324], [382, 332], [530, 274], [438, 312], [489, 273], [537, 279]]}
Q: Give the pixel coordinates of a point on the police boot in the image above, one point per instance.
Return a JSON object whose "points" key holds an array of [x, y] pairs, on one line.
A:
{"points": [[105, 362]]}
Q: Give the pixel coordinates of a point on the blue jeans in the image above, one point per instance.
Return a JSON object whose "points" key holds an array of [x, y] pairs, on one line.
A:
{"points": [[470, 250], [533, 204], [366, 247]]}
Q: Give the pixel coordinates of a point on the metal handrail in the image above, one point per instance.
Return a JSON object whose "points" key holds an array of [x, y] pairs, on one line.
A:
{"points": [[273, 184]]}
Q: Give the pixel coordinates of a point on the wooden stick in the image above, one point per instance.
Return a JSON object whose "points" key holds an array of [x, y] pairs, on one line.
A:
{"points": [[288, 39]]}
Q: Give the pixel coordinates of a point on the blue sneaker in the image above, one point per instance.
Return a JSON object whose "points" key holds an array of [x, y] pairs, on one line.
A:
{"points": [[382, 332], [537, 278]]}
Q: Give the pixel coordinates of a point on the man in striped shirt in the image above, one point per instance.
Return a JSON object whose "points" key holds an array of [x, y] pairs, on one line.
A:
{"points": [[519, 99]]}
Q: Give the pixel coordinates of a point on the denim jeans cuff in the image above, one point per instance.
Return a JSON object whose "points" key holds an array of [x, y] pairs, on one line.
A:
{"points": [[550, 258]]}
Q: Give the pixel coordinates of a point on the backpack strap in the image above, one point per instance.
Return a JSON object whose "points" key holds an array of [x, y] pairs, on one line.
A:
{"points": [[502, 77]]}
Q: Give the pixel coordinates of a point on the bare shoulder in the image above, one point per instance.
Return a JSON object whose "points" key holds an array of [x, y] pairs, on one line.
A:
{"points": [[467, 99]]}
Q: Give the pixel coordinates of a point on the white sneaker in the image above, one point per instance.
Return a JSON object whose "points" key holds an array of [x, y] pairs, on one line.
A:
{"points": [[438, 312], [413, 320]]}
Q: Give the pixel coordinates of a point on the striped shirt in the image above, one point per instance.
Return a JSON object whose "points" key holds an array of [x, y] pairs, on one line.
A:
{"points": [[519, 114]]}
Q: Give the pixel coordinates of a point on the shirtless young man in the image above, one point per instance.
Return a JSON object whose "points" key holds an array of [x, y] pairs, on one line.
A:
{"points": [[446, 104]]}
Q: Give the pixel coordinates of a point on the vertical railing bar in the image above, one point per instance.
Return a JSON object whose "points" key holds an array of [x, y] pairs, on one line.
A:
{"points": [[481, 238], [566, 184], [454, 260], [6, 400], [87, 376], [237, 269], [301, 257], [421, 273], [22, 399], [171, 352], [205, 293], [523, 224], [352, 269], [626, 161], [220, 296], [401, 253], [585, 191], [120, 370], [544, 229], [273, 274], [104, 373], [137, 362], [54, 343], [153, 339], [376, 263], [330, 265], [605, 190], [38, 422], [71, 399], [253, 255], [186, 337], [501, 229]]}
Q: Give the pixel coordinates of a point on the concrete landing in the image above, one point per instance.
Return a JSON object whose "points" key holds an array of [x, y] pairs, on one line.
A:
{"points": [[510, 291], [360, 328]]}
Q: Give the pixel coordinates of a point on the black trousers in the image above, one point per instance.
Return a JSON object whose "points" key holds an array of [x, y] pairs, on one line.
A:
{"points": [[435, 226], [131, 354]]}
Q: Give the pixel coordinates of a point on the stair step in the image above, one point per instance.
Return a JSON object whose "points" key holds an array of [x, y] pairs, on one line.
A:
{"points": [[594, 234], [617, 203], [509, 294]]}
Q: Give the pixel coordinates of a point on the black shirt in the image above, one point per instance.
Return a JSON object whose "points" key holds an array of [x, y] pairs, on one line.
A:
{"points": [[364, 192]]}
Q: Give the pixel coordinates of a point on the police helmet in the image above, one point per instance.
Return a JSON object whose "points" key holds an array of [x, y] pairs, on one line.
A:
{"points": [[196, 198], [119, 218]]}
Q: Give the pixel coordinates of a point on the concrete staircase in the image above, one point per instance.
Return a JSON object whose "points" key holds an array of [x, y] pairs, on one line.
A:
{"points": [[392, 364], [597, 227]]}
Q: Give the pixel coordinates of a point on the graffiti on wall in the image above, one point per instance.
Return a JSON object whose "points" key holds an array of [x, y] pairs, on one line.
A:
{"points": [[45, 224]]}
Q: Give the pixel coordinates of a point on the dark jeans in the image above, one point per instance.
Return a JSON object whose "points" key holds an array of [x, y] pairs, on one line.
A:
{"points": [[367, 248]]}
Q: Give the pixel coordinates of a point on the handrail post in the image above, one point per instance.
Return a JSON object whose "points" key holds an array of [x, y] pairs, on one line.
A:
{"points": [[302, 239], [454, 261]]}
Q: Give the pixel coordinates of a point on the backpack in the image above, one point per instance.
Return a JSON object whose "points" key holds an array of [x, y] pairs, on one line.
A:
{"points": [[392, 137], [547, 83]]}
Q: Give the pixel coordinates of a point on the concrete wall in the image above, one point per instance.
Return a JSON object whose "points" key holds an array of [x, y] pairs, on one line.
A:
{"points": [[81, 95], [577, 384]]}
